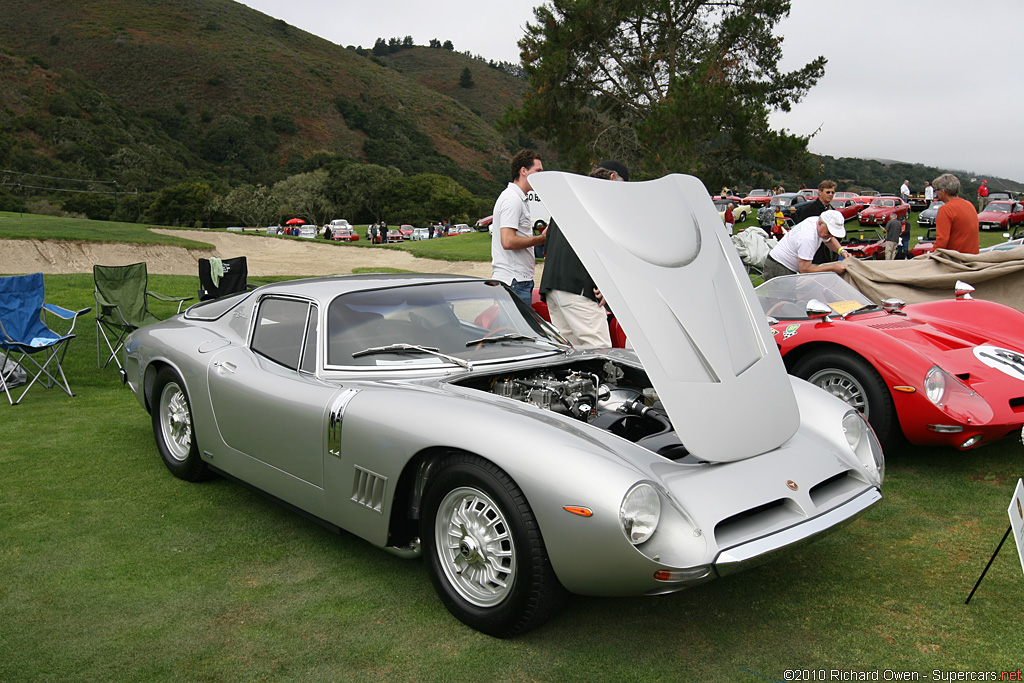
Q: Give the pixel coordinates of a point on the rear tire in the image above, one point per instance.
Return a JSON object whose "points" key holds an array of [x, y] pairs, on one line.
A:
{"points": [[172, 427], [484, 550], [852, 379]]}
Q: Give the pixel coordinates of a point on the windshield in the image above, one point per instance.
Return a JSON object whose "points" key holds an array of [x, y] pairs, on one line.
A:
{"points": [[935, 206], [786, 298], [883, 202], [758, 193], [366, 329], [998, 207]]}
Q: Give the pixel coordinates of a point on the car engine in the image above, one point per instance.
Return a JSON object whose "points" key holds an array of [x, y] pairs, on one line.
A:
{"points": [[603, 394]]}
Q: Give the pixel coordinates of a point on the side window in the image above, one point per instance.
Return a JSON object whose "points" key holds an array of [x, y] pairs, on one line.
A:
{"points": [[280, 330], [308, 363]]}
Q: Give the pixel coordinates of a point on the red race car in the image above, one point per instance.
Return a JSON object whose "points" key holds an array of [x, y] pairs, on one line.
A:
{"points": [[865, 244], [757, 198], [947, 372], [925, 244], [1001, 215], [850, 208], [344, 235], [882, 209]]}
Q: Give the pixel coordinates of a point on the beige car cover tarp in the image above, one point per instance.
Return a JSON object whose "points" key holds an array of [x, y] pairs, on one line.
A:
{"points": [[995, 275]]}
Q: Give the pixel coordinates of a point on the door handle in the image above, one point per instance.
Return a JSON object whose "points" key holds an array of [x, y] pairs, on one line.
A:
{"points": [[224, 366]]}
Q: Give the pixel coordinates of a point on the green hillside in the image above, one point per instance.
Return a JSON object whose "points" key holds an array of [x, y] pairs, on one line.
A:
{"points": [[225, 89]]}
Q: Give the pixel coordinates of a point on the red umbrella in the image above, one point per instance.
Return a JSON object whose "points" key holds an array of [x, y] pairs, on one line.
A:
{"points": [[295, 221]]}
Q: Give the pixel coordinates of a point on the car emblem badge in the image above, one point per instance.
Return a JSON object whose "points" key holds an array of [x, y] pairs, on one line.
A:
{"points": [[790, 331], [792, 484]]}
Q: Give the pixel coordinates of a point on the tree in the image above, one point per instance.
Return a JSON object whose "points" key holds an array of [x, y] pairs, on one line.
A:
{"points": [[305, 195], [447, 45], [251, 205], [427, 197], [181, 204], [359, 190], [664, 85], [466, 79]]}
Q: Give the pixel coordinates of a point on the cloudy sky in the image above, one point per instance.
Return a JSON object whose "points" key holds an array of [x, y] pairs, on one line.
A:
{"points": [[938, 83]]}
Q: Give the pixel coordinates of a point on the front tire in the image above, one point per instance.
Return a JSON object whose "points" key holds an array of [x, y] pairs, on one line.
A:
{"points": [[172, 427], [851, 378], [484, 550]]}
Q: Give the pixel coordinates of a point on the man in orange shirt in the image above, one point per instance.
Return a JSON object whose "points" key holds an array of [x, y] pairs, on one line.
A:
{"points": [[956, 226]]}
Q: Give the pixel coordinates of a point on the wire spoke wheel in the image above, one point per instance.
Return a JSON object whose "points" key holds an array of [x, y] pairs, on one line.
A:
{"points": [[475, 547], [842, 385], [175, 422]]}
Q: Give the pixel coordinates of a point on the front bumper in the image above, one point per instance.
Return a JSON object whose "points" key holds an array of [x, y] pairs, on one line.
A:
{"points": [[745, 555]]}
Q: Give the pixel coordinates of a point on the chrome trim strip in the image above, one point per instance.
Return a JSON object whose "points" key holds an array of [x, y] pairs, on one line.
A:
{"points": [[334, 417]]}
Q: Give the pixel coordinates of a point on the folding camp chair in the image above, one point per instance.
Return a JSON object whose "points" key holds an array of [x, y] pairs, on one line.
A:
{"points": [[220, 277], [122, 305], [24, 334]]}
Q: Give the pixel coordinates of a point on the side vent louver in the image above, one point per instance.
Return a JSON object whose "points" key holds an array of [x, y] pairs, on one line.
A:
{"points": [[368, 489]]}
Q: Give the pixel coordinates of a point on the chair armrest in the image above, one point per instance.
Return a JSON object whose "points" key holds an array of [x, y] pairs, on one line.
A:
{"points": [[66, 314], [106, 308], [165, 297]]}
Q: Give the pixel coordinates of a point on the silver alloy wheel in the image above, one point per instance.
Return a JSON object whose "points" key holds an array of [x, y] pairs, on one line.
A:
{"points": [[475, 546], [175, 421], [843, 385]]}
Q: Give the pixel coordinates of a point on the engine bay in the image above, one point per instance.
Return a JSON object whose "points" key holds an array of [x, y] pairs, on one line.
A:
{"points": [[604, 394]]}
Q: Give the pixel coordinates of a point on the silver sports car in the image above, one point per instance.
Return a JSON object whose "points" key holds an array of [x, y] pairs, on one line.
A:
{"points": [[520, 468]]}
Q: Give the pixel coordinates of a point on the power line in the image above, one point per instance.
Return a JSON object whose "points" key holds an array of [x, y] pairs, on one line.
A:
{"points": [[50, 177]]}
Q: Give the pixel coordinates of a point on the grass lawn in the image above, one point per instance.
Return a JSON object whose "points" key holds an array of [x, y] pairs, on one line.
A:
{"points": [[113, 570]]}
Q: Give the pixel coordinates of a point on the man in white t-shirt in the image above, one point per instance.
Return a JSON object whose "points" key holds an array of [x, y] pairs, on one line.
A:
{"points": [[512, 238], [905, 191], [795, 251]]}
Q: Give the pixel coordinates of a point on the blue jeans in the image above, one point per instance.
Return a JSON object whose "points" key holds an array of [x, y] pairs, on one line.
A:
{"points": [[523, 289]]}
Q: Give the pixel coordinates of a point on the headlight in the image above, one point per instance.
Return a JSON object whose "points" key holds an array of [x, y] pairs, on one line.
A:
{"points": [[864, 443], [639, 513], [935, 385]]}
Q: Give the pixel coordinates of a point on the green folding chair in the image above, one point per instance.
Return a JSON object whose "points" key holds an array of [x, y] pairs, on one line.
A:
{"points": [[122, 306]]}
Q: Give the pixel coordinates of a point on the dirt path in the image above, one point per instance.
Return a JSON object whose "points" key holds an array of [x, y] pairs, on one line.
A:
{"points": [[266, 256]]}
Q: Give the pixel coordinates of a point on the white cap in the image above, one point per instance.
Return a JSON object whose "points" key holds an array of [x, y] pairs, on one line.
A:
{"points": [[835, 222]]}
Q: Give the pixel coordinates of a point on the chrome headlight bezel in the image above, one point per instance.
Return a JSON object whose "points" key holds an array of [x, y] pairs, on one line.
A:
{"points": [[864, 443], [640, 512]]}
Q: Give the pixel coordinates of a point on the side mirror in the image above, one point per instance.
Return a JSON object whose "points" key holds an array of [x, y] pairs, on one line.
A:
{"points": [[963, 290], [817, 310], [893, 305]]}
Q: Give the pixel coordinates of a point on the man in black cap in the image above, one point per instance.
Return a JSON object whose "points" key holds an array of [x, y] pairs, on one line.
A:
{"points": [[574, 302]]}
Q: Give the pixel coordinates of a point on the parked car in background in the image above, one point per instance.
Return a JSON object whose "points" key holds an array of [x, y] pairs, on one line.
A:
{"points": [[339, 223], [918, 202], [848, 207], [865, 244], [757, 198], [1001, 215], [925, 243], [484, 224], [395, 236], [844, 195], [406, 231], [927, 217], [740, 212], [998, 197], [1013, 240], [343, 234], [308, 231], [808, 192], [420, 234], [882, 209], [789, 202], [459, 229]]}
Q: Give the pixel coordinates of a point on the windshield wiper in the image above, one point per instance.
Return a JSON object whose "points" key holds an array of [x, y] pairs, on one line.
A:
{"points": [[511, 336], [864, 307], [411, 348]]}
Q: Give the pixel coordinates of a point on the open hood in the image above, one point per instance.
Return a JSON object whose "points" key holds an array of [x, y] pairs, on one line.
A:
{"points": [[659, 253]]}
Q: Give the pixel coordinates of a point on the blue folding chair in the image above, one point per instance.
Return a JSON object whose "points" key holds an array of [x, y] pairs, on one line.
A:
{"points": [[25, 336]]}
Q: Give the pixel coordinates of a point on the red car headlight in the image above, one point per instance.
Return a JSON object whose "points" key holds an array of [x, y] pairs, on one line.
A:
{"points": [[955, 398]]}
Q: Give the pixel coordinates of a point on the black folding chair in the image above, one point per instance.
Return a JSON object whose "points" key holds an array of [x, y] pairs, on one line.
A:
{"points": [[220, 280]]}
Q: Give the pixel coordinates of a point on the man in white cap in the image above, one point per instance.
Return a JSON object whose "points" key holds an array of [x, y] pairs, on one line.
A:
{"points": [[795, 251]]}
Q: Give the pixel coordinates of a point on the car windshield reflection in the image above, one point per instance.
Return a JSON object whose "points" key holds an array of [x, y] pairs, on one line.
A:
{"points": [[786, 298], [998, 208], [884, 202], [433, 325]]}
